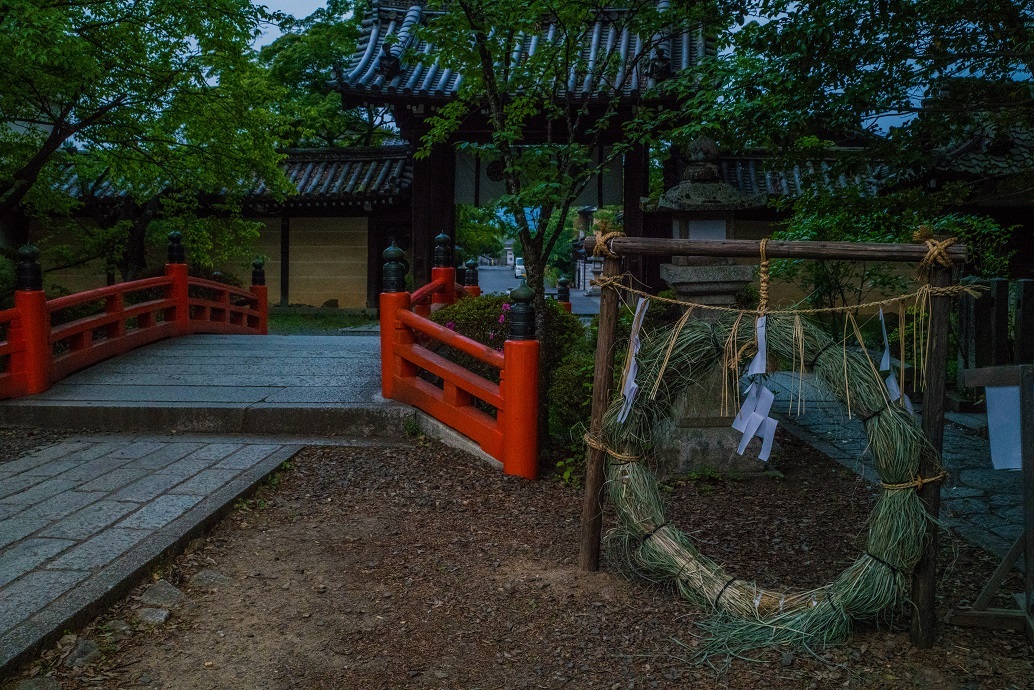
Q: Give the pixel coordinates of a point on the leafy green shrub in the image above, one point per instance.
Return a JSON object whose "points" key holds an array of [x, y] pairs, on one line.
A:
{"points": [[486, 319]]}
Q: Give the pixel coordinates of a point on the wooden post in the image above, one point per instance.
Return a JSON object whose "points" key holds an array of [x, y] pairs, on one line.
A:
{"points": [[981, 613], [563, 293], [519, 386], [602, 386], [393, 298], [285, 259], [470, 279], [1001, 349], [1026, 600], [176, 268], [259, 289], [32, 328], [924, 576], [1025, 322]]}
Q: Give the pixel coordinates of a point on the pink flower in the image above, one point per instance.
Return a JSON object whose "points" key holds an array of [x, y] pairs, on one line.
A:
{"points": [[451, 325], [506, 306], [502, 318]]}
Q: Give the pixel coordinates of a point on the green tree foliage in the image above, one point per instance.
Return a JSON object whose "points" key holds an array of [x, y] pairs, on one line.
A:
{"points": [[154, 106], [479, 232], [305, 61], [916, 76], [478, 39], [885, 92]]}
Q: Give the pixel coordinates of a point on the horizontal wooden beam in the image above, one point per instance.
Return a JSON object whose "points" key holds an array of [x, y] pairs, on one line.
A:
{"points": [[993, 376], [775, 249]]}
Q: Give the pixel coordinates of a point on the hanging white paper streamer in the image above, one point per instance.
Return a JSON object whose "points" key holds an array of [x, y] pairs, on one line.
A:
{"points": [[750, 403], [752, 419], [1003, 427], [759, 365], [891, 381], [631, 388]]}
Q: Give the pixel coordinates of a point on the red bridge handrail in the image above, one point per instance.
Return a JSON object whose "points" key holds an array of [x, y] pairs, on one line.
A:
{"points": [[509, 436], [80, 298], [35, 354], [426, 292], [446, 336], [221, 287]]}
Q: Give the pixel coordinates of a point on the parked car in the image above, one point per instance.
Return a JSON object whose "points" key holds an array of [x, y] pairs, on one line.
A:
{"points": [[518, 268]]}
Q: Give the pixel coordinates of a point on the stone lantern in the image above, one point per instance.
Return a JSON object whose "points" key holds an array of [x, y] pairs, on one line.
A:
{"points": [[699, 435], [702, 207]]}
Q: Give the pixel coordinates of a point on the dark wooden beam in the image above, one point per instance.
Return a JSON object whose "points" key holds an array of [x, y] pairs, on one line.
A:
{"points": [[285, 258], [924, 576], [374, 259], [433, 207], [602, 386], [855, 251]]}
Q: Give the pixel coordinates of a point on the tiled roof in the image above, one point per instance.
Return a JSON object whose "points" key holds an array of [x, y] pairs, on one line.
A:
{"points": [[991, 156], [754, 175], [352, 175], [376, 72], [357, 175]]}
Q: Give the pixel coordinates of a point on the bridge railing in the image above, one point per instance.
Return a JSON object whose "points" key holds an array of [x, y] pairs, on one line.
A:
{"points": [[510, 435], [44, 340]]}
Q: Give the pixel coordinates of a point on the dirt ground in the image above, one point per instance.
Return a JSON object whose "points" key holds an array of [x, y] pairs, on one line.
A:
{"points": [[419, 567]]}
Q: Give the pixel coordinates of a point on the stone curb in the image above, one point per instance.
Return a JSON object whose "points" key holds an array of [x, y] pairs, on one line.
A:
{"points": [[103, 588], [267, 420]]}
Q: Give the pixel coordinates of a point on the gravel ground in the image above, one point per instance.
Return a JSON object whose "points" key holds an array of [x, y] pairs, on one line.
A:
{"points": [[18, 442], [419, 567]]}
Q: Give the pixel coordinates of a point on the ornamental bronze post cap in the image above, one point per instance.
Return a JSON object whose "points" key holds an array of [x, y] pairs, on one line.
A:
{"points": [[522, 294]]}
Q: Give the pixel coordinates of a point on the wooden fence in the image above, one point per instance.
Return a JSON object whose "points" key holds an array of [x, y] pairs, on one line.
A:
{"points": [[996, 328]]}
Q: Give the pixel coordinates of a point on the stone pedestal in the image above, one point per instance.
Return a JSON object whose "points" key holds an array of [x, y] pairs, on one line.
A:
{"points": [[699, 435], [706, 282], [596, 268]]}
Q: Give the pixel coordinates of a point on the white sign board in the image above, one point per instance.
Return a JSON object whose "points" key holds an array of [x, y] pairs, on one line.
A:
{"points": [[1003, 426]]}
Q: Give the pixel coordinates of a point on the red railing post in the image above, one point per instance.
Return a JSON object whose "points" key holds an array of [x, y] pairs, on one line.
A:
{"points": [[519, 385], [390, 304], [470, 279], [393, 298], [176, 268], [34, 322], [563, 293], [443, 270], [520, 391], [258, 288], [115, 304], [446, 295]]}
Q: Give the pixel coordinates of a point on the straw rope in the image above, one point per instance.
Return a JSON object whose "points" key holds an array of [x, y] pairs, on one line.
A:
{"points": [[936, 254], [602, 247], [916, 483], [763, 279], [595, 443], [924, 292]]}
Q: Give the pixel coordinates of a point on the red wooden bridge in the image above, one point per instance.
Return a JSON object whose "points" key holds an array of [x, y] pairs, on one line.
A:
{"points": [[44, 341]]}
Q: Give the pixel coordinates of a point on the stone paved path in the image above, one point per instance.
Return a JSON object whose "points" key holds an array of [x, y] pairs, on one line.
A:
{"points": [[81, 519], [981, 504]]}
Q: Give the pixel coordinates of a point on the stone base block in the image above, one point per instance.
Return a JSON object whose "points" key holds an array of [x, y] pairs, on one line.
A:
{"points": [[681, 449]]}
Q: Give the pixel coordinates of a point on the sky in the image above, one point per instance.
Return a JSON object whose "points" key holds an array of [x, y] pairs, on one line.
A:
{"points": [[298, 8]]}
